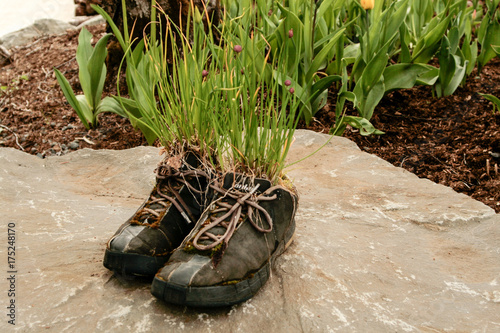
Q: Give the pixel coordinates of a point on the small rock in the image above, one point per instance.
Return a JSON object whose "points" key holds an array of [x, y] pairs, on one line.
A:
{"points": [[39, 155], [39, 28], [74, 145], [95, 20], [79, 19], [67, 127], [53, 124], [33, 149], [64, 147]]}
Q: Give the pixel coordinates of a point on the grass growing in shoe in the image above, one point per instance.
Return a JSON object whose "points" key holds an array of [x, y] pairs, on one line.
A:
{"points": [[164, 79], [262, 108], [231, 99]]}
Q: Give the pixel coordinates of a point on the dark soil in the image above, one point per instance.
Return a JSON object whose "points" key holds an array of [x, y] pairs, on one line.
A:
{"points": [[454, 141]]}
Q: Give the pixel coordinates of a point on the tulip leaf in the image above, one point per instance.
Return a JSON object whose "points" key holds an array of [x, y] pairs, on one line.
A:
{"points": [[402, 76], [373, 71], [364, 125], [494, 100], [71, 98], [430, 77], [491, 37], [321, 57], [97, 70], [429, 44], [369, 102], [83, 54], [86, 111]]}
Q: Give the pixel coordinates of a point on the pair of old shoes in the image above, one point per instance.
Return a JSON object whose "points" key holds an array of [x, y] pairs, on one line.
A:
{"points": [[209, 239]]}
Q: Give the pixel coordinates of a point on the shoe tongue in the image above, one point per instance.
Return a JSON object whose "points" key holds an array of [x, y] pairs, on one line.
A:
{"points": [[245, 183]]}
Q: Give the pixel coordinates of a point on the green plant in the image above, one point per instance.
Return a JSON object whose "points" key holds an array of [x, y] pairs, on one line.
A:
{"points": [[264, 109], [495, 101], [452, 67], [92, 74], [229, 100], [308, 31], [489, 34], [373, 78]]}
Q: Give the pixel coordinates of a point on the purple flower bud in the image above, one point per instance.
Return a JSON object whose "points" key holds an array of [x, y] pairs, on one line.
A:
{"points": [[288, 82], [237, 48], [292, 90], [290, 33], [242, 71], [270, 12], [204, 73]]}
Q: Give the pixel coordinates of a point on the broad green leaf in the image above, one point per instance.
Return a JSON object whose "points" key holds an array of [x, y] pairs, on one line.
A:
{"points": [[494, 100], [324, 83], [454, 39], [351, 52], [97, 70], [373, 71], [430, 77], [129, 105], [429, 44], [109, 104], [392, 25], [372, 99], [447, 66], [364, 125], [128, 108], [404, 39], [84, 49], [402, 76], [320, 58], [469, 52], [492, 37], [457, 77], [86, 110], [70, 96], [83, 54]]}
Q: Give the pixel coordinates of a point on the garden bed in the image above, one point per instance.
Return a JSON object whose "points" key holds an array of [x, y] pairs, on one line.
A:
{"points": [[453, 141]]}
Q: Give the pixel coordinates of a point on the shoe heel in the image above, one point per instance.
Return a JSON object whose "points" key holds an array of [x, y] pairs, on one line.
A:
{"points": [[290, 234]]}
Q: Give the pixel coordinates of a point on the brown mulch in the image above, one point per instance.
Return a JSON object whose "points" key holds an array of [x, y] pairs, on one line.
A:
{"points": [[454, 141]]}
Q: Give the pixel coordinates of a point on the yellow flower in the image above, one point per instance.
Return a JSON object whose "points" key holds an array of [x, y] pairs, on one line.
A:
{"points": [[367, 4]]}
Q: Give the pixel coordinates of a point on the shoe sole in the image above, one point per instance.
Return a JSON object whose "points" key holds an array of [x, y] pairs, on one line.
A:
{"points": [[225, 295], [133, 263]]}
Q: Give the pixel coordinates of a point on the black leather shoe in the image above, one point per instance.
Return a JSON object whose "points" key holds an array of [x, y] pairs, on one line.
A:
{"points": [[143, 244], [228, 255]]}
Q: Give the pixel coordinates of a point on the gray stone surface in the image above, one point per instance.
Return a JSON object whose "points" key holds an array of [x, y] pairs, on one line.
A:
{"points": [[40, 28], [95, 20], [376, 249]]}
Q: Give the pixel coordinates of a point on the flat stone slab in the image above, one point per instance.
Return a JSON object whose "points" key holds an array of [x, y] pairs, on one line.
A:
{"points": [[41, 27], [376, 249]]}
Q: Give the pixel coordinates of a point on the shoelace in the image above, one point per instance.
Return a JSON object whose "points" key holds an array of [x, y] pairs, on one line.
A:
{"points": [[234, 211], [169, 180]]}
